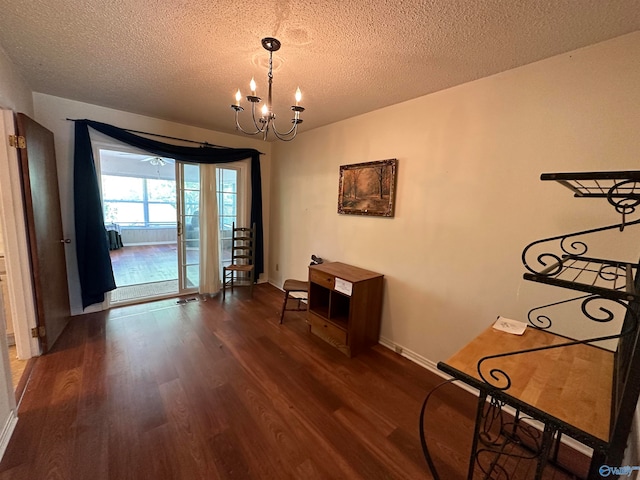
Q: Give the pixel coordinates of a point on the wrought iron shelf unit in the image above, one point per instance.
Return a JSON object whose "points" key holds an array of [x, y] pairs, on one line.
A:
{"points": [[501, 365]]}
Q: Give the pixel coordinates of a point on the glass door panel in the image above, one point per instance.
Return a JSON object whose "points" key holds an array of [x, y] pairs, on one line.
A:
{"points": [[227, 191], [189, 231]]}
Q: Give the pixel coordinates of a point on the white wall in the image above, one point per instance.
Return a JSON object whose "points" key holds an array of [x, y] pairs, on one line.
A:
{"points": [[52, 112], [468, 191]]}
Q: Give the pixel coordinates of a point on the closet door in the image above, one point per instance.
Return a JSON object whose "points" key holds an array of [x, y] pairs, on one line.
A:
{"points": [[44, 227]]}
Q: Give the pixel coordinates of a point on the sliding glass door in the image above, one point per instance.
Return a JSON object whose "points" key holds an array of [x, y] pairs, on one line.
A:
{"points": [[150, 207], [153, 204]]}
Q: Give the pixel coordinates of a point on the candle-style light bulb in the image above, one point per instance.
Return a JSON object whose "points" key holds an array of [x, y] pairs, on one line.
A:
{"points": [[238, 97], [252, 86], [298, 96], [265, 110]]}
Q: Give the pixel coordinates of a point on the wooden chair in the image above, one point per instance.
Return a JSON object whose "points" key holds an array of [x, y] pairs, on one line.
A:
{"points": [[242, 267], [297, 286], [294, 286]]}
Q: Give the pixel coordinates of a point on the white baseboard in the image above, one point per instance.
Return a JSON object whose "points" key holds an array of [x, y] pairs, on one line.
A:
{"points": [[432, 367], [423, 362], [7, 431]]}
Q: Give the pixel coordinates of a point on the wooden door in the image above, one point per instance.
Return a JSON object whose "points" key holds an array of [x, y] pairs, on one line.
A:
{"points": [[44, 227]]}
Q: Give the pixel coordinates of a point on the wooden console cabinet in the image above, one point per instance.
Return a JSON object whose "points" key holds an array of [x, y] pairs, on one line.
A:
{"points": [[345, 306]]}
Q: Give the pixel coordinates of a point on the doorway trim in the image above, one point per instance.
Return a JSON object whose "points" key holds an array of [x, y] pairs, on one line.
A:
{"points": [[15, 243]]}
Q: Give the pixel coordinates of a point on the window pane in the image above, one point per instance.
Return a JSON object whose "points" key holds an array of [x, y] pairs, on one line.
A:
{"points": [[191, 202], [122, 188], [225, 245], [227, 189], [192, 224], [229, 180], [124, 213], [228, 204], [161, 190], [192, 252], [226, 224], [191, 177], [162, 213], [192, 277]]}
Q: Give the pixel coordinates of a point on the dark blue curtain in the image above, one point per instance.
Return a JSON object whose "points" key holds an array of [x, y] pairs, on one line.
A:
{"points": [[94, 263]]}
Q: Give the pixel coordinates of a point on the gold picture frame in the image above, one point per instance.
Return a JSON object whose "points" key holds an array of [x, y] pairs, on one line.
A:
{"points": [[368, 188]]}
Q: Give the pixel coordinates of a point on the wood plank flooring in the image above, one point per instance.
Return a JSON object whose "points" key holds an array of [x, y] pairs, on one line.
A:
{"points": [[219, 390], [17, 366], [133, 265]]}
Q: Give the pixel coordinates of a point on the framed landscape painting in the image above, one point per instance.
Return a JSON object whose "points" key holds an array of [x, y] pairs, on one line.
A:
{"points": [[368, 188]]}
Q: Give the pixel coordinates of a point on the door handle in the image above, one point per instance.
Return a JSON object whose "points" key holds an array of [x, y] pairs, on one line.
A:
{"points": [[65, 240]]}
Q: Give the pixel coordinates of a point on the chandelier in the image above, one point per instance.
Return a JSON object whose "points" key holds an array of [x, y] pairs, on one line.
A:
{"points": [[267, 119]]}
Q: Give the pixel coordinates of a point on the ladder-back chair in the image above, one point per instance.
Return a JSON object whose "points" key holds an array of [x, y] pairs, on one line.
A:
{"points": [[241, 271]]}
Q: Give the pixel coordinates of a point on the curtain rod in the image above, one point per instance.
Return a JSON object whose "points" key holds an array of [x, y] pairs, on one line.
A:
{"points": [[203, 144]]}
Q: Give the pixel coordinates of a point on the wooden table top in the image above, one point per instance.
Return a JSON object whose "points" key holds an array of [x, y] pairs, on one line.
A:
{"points": [[572, 384], [346, 272]]}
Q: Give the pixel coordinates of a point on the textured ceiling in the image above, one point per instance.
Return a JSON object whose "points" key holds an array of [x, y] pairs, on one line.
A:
{"points": [[183, 60]]}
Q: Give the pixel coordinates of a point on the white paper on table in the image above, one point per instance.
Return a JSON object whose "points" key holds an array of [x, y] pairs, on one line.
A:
{"points": [[510, 326], [343, 286]]}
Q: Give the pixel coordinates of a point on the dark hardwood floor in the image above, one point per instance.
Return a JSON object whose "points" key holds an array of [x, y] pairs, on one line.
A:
{"points": [[220, 390]]}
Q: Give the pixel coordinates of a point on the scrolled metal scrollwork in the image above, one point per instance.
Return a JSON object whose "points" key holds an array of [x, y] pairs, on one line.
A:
{"points": [[556, 260], [609, 315], [610, 273], [498, 375], [576, 247], [549, 263], [543, 321], [513, 439], [502, 380], [624, 199], [624, 203]]}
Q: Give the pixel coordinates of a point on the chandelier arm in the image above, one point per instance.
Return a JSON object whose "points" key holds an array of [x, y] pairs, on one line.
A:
{"points": [[288, 136], [284, 134], [285, 139], [245, 132], [239, 127], [255, 122]]}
